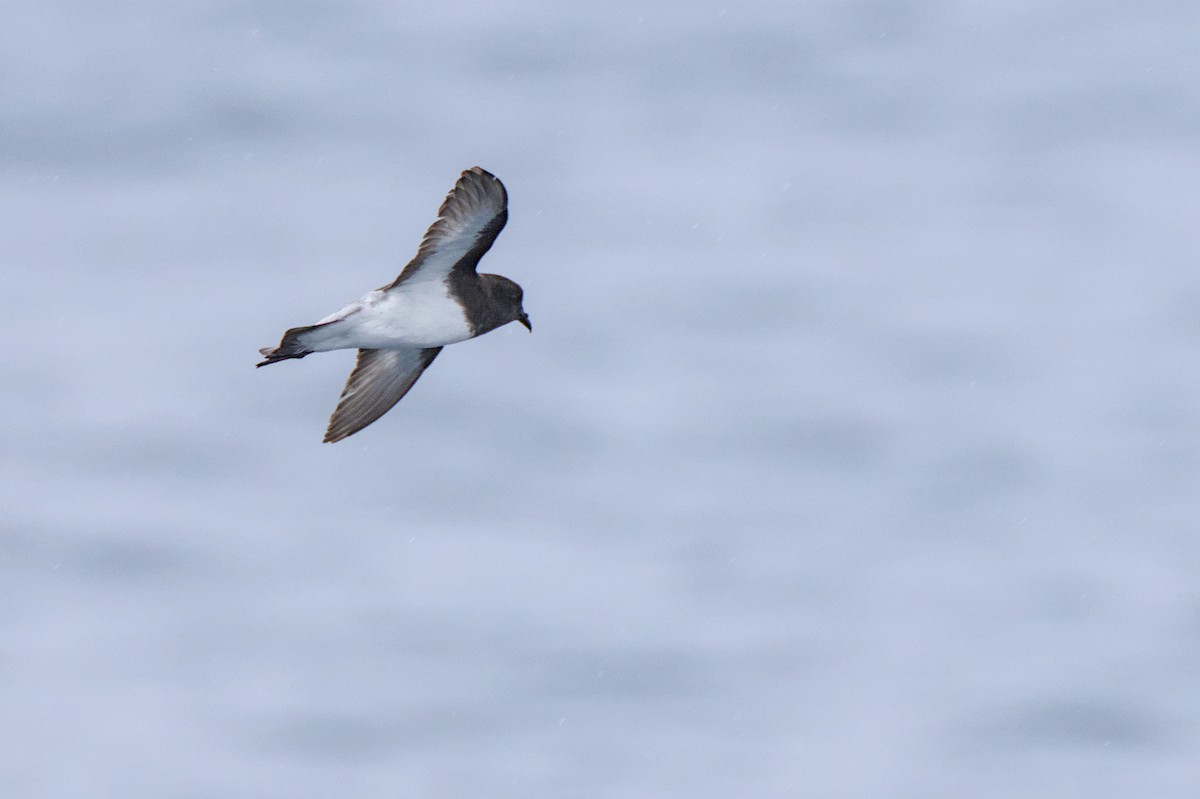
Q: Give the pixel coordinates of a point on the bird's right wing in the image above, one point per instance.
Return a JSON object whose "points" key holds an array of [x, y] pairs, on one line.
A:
{"points": [[380, 378], [469, 220]]}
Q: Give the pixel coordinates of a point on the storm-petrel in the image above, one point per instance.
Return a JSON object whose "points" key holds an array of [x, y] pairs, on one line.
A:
{"points": [[437, 300]]}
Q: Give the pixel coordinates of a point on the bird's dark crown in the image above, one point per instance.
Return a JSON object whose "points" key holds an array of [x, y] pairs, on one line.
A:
{"points": [[505, 293]]}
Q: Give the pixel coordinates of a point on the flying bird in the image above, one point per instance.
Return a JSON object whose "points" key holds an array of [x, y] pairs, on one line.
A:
{"points": [[438, 299]]}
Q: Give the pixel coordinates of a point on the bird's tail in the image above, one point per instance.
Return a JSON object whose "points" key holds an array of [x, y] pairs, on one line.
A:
{"points": [[289, 347]]}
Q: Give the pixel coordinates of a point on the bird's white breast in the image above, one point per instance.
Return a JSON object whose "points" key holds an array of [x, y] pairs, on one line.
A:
{"points": [[421, 314]]}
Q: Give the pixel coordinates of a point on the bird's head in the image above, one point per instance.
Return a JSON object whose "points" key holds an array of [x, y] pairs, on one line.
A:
{"points": [[508, 295]]}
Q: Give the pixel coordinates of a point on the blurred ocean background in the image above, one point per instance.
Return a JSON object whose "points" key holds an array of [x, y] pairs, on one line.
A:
{"points": [[856, 451]]}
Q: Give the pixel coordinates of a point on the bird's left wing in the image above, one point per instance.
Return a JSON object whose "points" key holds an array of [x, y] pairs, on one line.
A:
{"points": [[380, 378]]}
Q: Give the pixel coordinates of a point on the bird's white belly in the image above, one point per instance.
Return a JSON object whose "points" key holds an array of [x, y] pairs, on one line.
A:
{"points": [[423, 316]]}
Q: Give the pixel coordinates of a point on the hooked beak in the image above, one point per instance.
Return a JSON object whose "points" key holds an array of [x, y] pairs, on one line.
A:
{"points": [[524, 319]]}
